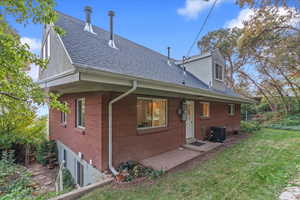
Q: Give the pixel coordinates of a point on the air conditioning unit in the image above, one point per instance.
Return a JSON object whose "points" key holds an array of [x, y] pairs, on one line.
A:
{"points": [[217, 134]]}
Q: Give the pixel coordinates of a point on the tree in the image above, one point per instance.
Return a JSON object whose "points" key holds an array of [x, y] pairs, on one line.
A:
{"points": [[264, 3], [17, 89], [19, 94], [263, 55], [226, 41]]}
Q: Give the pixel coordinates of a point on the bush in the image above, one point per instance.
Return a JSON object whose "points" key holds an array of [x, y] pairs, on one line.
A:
{"points": [[45, 151], [250, 126], [68, 181], [14, 179], [132, 170], [289, 122]]}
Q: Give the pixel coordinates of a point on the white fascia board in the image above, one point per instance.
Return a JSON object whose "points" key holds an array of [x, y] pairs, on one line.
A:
{"points": [[62, 79], [100, 76]]}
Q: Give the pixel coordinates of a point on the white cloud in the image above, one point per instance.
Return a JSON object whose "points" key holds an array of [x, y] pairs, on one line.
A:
{"points": [[33, 43], [192, 8], [246, 14]]}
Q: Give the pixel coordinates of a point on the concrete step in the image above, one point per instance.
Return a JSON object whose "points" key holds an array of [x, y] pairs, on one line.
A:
{"points": [[208, 146]]}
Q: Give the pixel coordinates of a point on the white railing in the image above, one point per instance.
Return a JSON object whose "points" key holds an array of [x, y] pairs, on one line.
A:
{"points": [[59, 178]]}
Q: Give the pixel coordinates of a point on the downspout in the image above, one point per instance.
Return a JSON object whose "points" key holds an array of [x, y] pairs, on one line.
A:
{"points": [[111, 167]]}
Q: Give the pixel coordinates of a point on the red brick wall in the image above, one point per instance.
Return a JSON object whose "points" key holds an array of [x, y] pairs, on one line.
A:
{"points": [[88, 143], [128, 142], [131, 144], [218, 117]]}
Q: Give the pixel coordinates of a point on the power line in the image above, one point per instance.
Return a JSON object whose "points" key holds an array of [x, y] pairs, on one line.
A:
{"points": [[201, 29]]}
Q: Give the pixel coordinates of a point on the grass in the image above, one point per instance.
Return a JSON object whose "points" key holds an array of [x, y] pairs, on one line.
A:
{"points": [[257, 168]]}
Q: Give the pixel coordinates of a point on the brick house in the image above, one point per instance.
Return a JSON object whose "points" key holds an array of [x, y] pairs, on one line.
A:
{"points": [[128, 102]]}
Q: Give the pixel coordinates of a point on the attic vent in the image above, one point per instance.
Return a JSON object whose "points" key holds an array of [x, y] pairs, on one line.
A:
{"points": [[111, 41], [88, 26]]}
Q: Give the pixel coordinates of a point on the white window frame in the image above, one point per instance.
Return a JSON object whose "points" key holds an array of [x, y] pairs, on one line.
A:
{"points": [[167, 113], [222, 71], [232, 109], [202, 104], [76, 110]]}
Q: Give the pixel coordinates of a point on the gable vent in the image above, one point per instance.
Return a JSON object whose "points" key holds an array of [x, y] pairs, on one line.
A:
{"points": [[88, 26]]}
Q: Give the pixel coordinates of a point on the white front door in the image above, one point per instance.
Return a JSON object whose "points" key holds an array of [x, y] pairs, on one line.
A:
{"points": [[189, 123]]}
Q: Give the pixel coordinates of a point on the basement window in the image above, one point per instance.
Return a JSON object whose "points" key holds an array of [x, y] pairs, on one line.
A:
{"points": [[219, 72], [80, 113], [151, 113], [65, 158], [46, 48], [231, 109], [204, 109]]}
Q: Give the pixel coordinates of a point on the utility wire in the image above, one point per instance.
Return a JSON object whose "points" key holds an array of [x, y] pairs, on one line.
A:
{"points": [[201, 29]]}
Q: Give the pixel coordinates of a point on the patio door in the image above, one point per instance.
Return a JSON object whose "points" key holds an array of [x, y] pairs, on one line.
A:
{"points": [[190, 121]]}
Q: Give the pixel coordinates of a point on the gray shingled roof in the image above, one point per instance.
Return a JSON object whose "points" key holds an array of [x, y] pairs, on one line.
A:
{"points": [[92, 50]]}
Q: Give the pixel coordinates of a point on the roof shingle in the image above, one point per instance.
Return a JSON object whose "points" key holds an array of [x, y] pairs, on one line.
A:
{"points": [[92, 50]]}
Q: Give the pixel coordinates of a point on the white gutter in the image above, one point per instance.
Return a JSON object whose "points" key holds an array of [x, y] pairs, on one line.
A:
{"points": [[134, 86]]}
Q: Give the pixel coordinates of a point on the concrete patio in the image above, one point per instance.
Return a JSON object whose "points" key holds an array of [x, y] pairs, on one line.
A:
{"points": [[171, 159]]}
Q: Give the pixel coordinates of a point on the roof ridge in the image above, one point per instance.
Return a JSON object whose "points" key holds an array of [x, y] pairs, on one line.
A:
{"points": [[97, 27]]}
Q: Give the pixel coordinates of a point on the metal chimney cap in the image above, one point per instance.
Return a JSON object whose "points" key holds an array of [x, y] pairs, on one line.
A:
{"points": [[111, 13], [88, 9]]}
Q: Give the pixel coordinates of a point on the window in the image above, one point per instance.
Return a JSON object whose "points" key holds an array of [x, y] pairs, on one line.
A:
{"points": [[204, 109], [80, 174], [65, 158], [80, 113], [151, 113], [46, 47], [219, 72], [231, 109], [63, 116]]}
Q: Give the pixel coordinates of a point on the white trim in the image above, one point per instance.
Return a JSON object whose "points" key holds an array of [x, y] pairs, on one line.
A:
{"points": [[192, 118], [57, 76], [92, 75], [215, 72], [64, 47], [44, 50], [166, 113], [121, 79], [48, 45]]}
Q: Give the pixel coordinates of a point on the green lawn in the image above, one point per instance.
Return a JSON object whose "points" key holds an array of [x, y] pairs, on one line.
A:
{"points": [[257, 168]]}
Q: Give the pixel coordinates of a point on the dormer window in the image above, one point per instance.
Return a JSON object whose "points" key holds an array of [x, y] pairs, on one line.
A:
{"points": [[46, 47], [219, 72]]}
